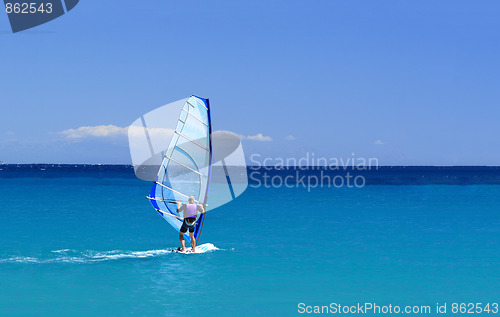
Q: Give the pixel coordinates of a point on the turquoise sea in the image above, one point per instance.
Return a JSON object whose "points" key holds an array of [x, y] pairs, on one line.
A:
{"points": [[79, 243]]}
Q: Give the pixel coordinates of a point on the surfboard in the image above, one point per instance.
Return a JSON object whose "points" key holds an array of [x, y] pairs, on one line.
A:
{"points": [[202, 248]]}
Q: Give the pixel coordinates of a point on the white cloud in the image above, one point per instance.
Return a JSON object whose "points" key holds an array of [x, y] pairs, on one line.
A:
{"points": [[290, 137], [96, 131], [259, 137], [378, 142], [134, 133]]}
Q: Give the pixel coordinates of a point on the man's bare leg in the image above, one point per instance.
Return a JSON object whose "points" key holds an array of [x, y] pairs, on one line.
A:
{"points": [[183, 243], [193, 241]]}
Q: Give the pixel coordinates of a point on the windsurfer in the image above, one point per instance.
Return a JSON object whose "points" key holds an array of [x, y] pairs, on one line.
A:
{"points": [[190, 210]]}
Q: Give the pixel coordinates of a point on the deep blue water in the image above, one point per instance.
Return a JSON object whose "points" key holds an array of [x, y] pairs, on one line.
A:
{"points": [[85, 242]]}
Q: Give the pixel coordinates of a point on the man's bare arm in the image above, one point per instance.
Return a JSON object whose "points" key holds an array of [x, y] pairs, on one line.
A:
{"points": [[179, 207], [201, 208]]}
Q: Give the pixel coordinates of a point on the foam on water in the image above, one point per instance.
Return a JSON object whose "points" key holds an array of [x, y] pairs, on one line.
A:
{"points": [[89, 256], [60, 251]]}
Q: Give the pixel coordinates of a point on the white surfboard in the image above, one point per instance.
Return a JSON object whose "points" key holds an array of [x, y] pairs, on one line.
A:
{"points": [[202, 248]]}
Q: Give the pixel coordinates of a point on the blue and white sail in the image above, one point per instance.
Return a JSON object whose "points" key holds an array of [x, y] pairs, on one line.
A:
{"points": [[174, 147], [186, 167]]}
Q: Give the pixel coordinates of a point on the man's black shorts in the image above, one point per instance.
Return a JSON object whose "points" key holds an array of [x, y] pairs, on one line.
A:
{"points": [[188, 225]]}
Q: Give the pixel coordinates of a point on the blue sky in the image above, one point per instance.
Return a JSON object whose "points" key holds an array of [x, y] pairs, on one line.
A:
{"points": [[411, 83]]}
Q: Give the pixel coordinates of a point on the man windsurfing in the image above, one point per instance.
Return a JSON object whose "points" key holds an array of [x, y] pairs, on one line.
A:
{"points": [[190, 211]]}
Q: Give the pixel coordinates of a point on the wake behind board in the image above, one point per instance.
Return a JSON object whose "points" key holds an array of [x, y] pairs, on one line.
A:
{"points": [[202, 248]]}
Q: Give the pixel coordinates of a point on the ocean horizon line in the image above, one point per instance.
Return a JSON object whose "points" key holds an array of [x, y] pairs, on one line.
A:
{"points": [[261, 166], [272, 175]]}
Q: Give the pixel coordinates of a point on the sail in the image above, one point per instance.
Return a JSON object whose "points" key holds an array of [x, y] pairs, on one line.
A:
{"points": [[186, 167]]}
